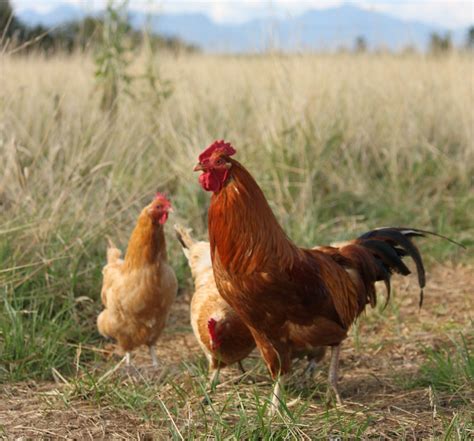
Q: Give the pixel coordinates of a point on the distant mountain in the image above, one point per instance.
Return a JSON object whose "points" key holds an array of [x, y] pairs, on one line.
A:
{"points": [[316, 29], [57, 16]]}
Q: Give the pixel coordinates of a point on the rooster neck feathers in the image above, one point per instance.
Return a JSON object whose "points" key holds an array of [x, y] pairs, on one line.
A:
{"points": [[236, 214]]}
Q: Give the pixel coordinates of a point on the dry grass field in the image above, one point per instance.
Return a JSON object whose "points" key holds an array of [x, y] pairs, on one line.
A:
{"points": [[340, 144]]}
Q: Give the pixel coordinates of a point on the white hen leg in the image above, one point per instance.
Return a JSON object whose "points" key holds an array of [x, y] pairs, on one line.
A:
{"points": [[154, 358]]}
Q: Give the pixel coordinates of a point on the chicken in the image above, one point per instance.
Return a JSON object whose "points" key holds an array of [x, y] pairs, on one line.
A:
{"points": [[221, 334], [291, 298], [138, 292]]}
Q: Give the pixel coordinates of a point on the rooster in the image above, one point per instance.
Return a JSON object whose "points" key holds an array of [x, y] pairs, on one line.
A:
{"points": [[291, 298], [221, 334], [138, 291]]}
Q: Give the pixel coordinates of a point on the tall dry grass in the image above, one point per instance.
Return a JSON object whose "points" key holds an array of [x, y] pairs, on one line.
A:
{"points": [[377, 131], [339, 144]]}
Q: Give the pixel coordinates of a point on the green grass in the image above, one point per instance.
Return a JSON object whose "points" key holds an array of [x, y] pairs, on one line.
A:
{"points": [[449, 368], [241, 412]]}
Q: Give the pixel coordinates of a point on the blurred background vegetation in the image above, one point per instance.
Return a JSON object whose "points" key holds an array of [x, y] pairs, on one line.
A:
{"points": [[78, 35], [89, 32]]}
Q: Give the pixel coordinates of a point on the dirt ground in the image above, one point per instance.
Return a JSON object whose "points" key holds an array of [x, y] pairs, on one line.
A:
{"points": [[377, 361]]}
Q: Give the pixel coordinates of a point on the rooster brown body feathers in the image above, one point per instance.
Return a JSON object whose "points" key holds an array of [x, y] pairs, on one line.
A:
{"points": [[290, 298]]}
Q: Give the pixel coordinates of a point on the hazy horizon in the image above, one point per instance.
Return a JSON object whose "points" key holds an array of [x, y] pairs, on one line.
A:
{"points": [[450, 14]]}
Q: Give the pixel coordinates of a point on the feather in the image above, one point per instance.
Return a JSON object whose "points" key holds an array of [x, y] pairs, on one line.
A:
{"points": [[411, 232], [387, 254], [385, 275], [400, 239]]}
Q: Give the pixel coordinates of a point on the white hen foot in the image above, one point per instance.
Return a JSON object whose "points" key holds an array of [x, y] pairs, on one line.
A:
{"points": [[130, 368]]}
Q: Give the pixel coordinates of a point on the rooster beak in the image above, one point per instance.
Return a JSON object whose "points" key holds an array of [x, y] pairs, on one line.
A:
{"points": [[198, 167]]}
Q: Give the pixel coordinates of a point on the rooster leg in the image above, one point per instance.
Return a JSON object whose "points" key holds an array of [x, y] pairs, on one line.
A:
{"points": [[241, 367], [333, 374], [127, 359], [154, 358], [277, 395]]}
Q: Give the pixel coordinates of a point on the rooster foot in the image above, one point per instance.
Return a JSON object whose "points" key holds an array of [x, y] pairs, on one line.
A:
{"points": [[333, 398]]}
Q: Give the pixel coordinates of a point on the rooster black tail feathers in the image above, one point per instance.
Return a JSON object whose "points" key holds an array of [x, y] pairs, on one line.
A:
{"points": [[390, 245]]}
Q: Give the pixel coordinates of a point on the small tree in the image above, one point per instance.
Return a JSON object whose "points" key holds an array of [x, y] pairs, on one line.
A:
{"points": [[10, 26], [470, 39], [8, 22], [440, 44], [111, 58], [114, 53], [409, 49], [360, 44]]}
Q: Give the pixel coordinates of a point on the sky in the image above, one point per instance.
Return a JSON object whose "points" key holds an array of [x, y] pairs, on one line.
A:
{"points": [[447, 13]]}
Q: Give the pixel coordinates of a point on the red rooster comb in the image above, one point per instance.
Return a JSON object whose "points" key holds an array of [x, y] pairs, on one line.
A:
{"points": [[217, 146]]}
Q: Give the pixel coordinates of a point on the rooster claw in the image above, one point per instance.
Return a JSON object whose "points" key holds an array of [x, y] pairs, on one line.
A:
{"points": [[333, 398]]}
